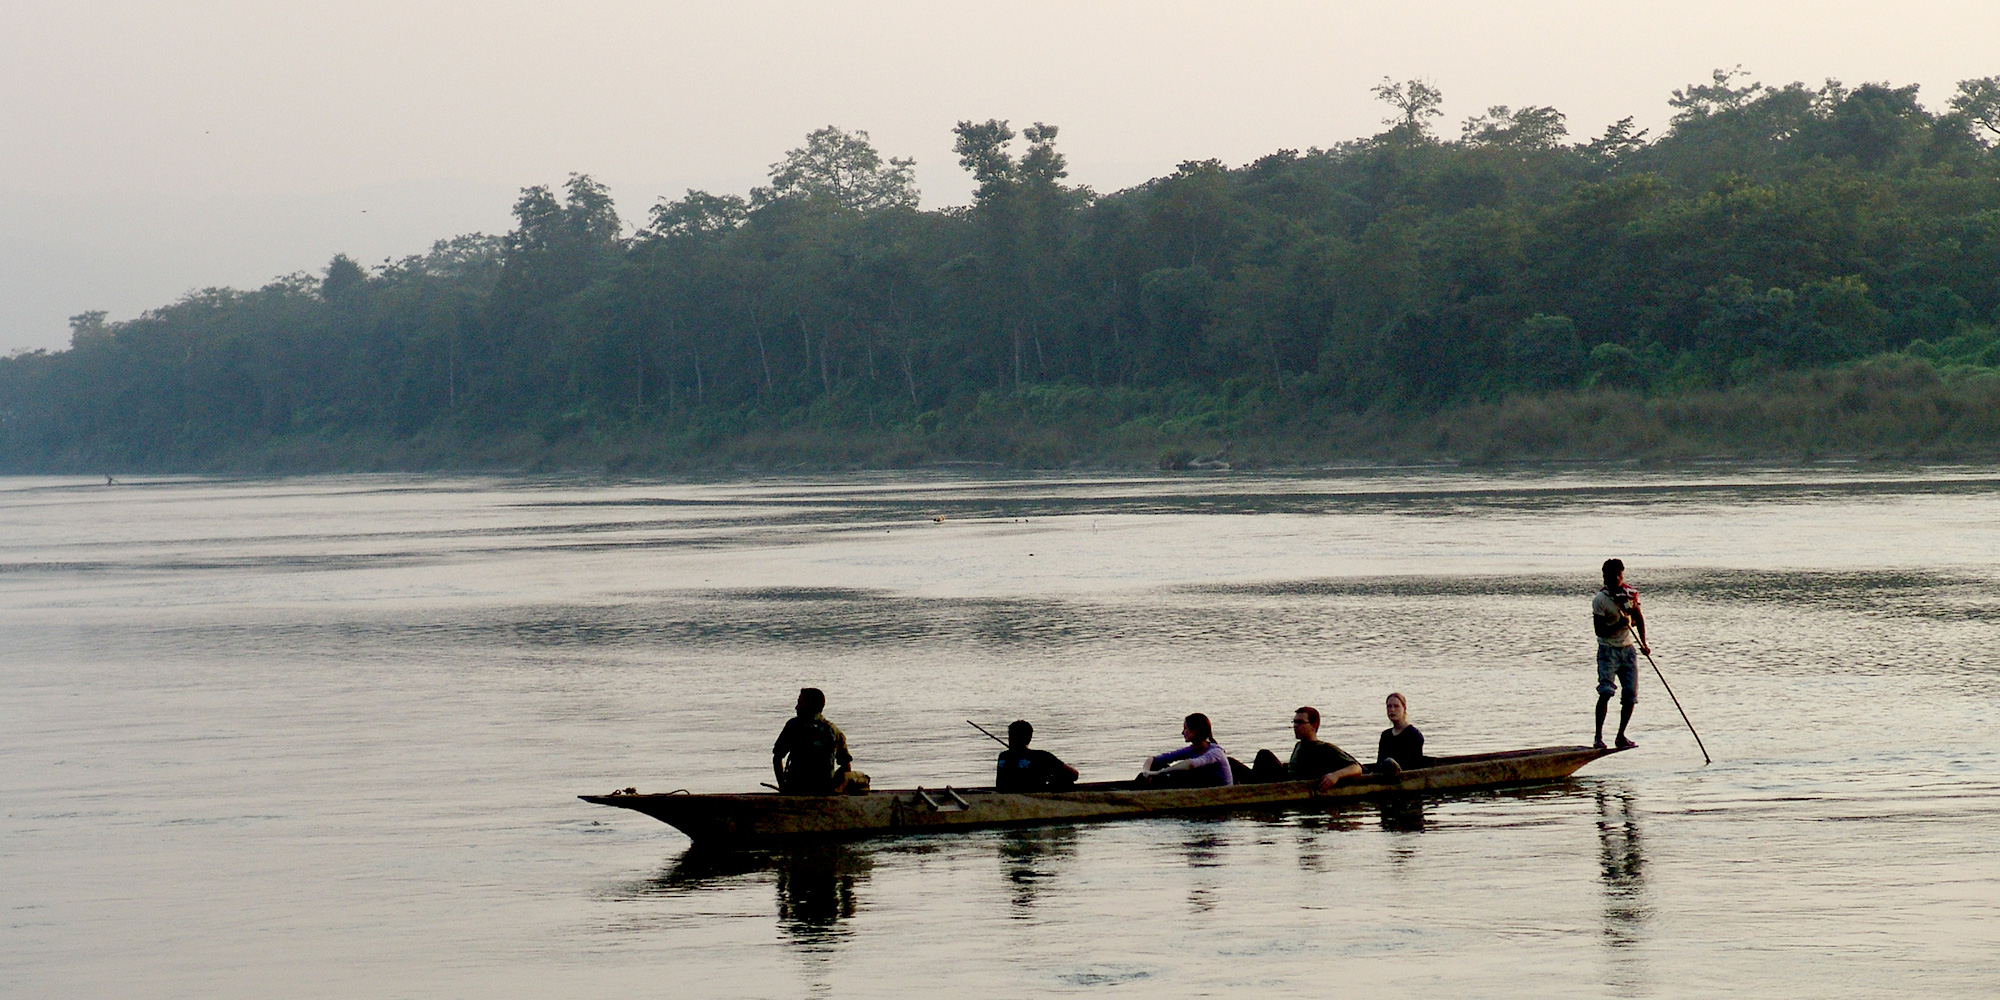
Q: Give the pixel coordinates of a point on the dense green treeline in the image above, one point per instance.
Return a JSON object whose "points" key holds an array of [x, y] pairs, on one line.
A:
{"points": [[1341, 301]]}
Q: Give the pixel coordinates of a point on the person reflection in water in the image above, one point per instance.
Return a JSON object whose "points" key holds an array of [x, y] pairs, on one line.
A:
{"points": [[1200, 764], [810, 757], [1403, 814], [1023, 770], [816, 891], [1622, 855]]}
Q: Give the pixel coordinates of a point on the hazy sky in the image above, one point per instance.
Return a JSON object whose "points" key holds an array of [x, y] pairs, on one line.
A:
{"points": [[147, 149]]}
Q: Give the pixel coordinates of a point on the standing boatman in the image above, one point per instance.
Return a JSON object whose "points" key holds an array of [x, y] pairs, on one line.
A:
{"points": [[1615, 616]]}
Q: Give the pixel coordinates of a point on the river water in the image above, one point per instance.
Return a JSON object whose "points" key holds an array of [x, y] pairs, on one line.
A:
{"points": [[322, 737]]}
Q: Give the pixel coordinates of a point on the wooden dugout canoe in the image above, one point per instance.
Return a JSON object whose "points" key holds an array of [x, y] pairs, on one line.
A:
{"points": [[765, 817]]}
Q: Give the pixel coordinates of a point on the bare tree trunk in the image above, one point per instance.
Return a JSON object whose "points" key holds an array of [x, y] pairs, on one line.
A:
{"points": [[910, 379], [806, 337], [1017, 357], [763, 356], [756, 311]]}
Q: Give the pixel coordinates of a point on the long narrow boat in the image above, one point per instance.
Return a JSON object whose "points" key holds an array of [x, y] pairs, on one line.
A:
{"points": [[765, 817]]}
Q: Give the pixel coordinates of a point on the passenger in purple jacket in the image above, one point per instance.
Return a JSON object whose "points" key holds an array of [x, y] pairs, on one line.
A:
{"points": [[1200, 764]]}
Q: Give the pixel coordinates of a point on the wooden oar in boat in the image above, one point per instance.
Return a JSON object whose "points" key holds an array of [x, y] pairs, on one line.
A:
{"points": [[989, 736]]}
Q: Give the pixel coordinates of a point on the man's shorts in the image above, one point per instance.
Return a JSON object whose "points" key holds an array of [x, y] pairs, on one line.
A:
{"points": [[1623, 662]]}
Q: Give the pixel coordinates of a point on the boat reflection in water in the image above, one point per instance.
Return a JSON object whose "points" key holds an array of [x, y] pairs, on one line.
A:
{"points": [[1033, 855], [820, 886], [1310, 832]]}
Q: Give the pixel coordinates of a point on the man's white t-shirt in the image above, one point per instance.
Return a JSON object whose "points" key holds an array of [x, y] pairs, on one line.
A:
{"points": [[1602, 606]]}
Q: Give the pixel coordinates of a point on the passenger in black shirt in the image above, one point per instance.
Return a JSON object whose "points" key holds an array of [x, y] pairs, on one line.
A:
{"points": [[1023, 770], [1401, 746]]}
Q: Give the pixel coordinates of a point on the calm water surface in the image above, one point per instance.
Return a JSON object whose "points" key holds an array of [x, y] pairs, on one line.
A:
{"points": [[322, 737]]}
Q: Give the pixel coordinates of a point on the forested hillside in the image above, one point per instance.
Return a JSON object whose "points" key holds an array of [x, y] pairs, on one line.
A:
{"points": [[1784, 270]]}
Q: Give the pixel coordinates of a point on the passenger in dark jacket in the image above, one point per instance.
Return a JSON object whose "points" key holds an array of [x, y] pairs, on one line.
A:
{"points": [[810, 757], [1023, 770]]}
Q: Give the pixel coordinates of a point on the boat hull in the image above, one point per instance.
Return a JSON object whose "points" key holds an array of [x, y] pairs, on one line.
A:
{"points": [[765, 817]]}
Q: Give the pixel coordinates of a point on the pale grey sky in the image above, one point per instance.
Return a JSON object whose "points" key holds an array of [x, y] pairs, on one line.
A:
{"points": [[147, 149]]}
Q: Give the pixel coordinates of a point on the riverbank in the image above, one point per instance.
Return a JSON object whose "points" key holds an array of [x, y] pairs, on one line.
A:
{"points": [[1893, 407]]}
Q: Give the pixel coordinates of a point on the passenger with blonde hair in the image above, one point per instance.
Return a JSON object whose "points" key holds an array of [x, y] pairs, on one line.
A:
{"points": [[1402, 745]]}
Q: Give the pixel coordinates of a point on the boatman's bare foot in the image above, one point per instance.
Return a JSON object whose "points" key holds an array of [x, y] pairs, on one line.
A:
{"points": [[1625, 744], [1599, 745]]}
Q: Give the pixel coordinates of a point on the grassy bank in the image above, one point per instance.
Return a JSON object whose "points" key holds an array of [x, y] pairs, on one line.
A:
{"points": [[1893, 407]]}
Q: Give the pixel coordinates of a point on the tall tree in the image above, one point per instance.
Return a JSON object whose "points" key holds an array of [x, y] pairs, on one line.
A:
{"points": [[842, 168], [1416, 102]]}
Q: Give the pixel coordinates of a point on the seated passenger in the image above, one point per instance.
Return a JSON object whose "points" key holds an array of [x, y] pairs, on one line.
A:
{"points": [[1401, 746], [811, 756], [1200, 764], [1025, 770], [1311, 758]]}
